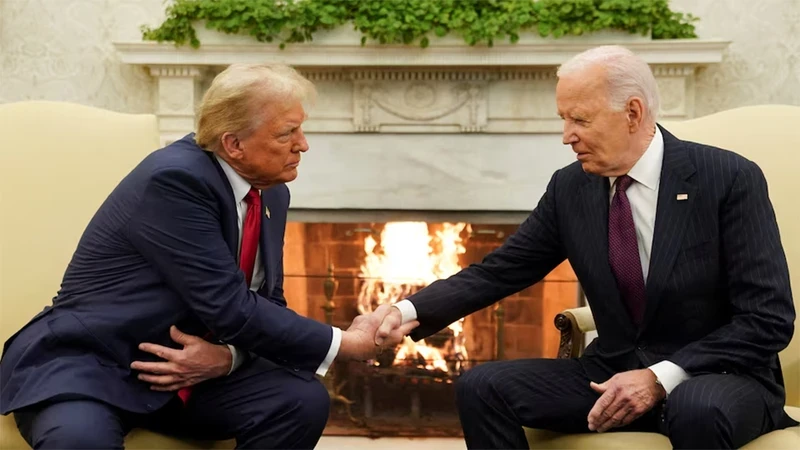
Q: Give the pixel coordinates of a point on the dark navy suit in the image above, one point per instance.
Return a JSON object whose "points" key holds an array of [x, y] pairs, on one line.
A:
{"points": [[162, 250], [719, 305]]}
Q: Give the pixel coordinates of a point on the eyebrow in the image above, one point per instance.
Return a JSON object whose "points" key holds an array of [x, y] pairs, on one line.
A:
{"points": [[284, 130], [290, 125], [574, 115]]}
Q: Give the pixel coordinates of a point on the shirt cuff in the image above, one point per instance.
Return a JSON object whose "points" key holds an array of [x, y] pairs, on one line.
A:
{"points": [[407, 311], [237, 358], [336, 341], [669, 374]]}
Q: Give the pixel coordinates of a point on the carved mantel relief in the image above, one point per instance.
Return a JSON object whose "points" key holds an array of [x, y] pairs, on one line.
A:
{"points": [[405, 101]]}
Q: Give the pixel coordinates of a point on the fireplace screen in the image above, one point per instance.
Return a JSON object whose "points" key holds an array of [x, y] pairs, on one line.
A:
{"points": [[335, 271]]}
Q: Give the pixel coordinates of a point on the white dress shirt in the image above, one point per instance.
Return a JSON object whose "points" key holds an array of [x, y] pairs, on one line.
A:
{"points": [[643, 197], [240, 188]]}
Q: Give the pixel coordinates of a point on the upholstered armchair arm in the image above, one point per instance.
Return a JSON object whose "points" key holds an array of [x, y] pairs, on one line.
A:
{"points": [[573, 324]]}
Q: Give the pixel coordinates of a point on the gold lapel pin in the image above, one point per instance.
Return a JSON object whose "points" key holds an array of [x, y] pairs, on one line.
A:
{"points": [[266, 211], [682, 197]]}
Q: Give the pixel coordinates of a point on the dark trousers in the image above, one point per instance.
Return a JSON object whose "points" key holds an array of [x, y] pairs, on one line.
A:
{"points": [[260, 405], [495, 400]]}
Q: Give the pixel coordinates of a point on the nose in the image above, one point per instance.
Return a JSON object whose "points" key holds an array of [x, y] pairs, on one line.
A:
{"points": [[301, 144], [568, 136]]}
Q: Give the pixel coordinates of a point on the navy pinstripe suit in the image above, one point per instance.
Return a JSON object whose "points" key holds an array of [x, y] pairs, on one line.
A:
{"points": [[719, 305]]}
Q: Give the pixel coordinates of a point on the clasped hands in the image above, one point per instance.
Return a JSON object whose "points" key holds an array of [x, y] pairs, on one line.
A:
{"points": [[370, 333], [200, 360]]}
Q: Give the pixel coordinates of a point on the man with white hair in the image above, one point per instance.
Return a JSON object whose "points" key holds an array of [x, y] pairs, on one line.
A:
{"points": [[188, 248], [676, 246]]}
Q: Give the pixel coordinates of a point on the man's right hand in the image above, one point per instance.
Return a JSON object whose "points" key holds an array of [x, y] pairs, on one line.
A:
{"points": [[391, 322], [360, 341]]}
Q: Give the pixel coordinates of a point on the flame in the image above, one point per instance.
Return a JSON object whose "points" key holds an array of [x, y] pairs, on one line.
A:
{"points": [[431, 356], [407, 259]]}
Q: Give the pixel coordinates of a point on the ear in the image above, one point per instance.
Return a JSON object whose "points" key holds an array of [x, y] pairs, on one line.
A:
{"points": [[635, 113], [232, 146]]}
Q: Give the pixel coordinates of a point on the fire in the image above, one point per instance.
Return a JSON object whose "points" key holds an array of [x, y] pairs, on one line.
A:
{"points": [[407, 259], [431, 356]]}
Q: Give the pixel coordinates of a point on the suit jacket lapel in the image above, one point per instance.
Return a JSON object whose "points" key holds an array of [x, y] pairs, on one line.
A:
{"points": [[672, 214], [595, 195], [230, 218], [266, 248]]}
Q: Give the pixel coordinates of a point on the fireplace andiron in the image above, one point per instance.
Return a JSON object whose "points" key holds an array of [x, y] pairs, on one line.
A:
{"points": [[335, 390]]}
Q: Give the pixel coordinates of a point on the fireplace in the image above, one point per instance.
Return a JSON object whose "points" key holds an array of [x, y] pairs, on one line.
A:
{"points": [[335, 270]]}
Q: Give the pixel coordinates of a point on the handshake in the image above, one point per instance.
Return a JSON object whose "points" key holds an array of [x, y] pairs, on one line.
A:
{"points": [[370, 333]]}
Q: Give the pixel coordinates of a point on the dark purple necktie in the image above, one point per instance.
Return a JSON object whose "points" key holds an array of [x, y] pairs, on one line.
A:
{"points": [[623, 251]]}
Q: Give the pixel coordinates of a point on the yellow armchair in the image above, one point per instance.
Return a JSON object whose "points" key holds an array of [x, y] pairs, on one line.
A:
{"points": [[58, 162], [770, 136]]}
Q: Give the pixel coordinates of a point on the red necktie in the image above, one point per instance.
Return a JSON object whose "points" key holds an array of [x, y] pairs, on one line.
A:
{"points": [[623, 251], [251, 229], [250, 234]]}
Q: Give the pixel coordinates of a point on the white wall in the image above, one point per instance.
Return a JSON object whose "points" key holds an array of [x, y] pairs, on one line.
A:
{"points": [[61, 50]]}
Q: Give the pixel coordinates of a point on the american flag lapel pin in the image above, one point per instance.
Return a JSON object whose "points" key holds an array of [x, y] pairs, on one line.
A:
{"points": [[680, 197], [266, 211]]}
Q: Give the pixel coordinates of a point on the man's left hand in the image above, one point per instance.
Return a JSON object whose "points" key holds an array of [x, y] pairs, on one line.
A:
{"points": [[625, 397], [199, 360]]}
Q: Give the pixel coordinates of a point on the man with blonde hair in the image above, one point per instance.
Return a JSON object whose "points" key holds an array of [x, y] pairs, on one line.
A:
{"points": [[171, 314], [676, 246]]}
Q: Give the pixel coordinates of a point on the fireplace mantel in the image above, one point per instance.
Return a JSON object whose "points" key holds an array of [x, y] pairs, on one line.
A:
{"points": [[448, 87], [479, 125], [342, 48]]}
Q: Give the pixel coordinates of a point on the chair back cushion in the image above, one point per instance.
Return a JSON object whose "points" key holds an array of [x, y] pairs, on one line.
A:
{"points": [[769, 135], [58, 162]]}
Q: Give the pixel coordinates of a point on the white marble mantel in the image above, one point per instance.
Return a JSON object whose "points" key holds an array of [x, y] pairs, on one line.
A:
{"points": [[468, 116], [341, 48]]}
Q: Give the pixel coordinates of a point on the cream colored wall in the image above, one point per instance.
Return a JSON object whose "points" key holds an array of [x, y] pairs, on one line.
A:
{"points": [[61, 50], [762, 64]]}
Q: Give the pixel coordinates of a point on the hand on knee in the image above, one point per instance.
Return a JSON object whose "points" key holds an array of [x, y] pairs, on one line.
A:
{"points": [[623, 399]]}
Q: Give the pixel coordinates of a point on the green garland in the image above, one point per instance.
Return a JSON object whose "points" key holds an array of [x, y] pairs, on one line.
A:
{"points": [[413, 21]]}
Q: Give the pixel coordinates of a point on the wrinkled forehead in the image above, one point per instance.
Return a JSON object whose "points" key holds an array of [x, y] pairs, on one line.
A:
{"points": [[591, 80], [282, 111], [581, 88]]}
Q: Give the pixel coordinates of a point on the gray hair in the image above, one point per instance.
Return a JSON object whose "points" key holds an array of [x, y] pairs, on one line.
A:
{"points": [[233, 102], [627, 75]]}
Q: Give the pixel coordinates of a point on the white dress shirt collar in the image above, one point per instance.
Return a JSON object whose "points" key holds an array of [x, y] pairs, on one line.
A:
{"points": [[239, 185], [647, 170]]}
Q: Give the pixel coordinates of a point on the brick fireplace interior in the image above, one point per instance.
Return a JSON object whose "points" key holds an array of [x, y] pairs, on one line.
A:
{"points": [[413, 396]]}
